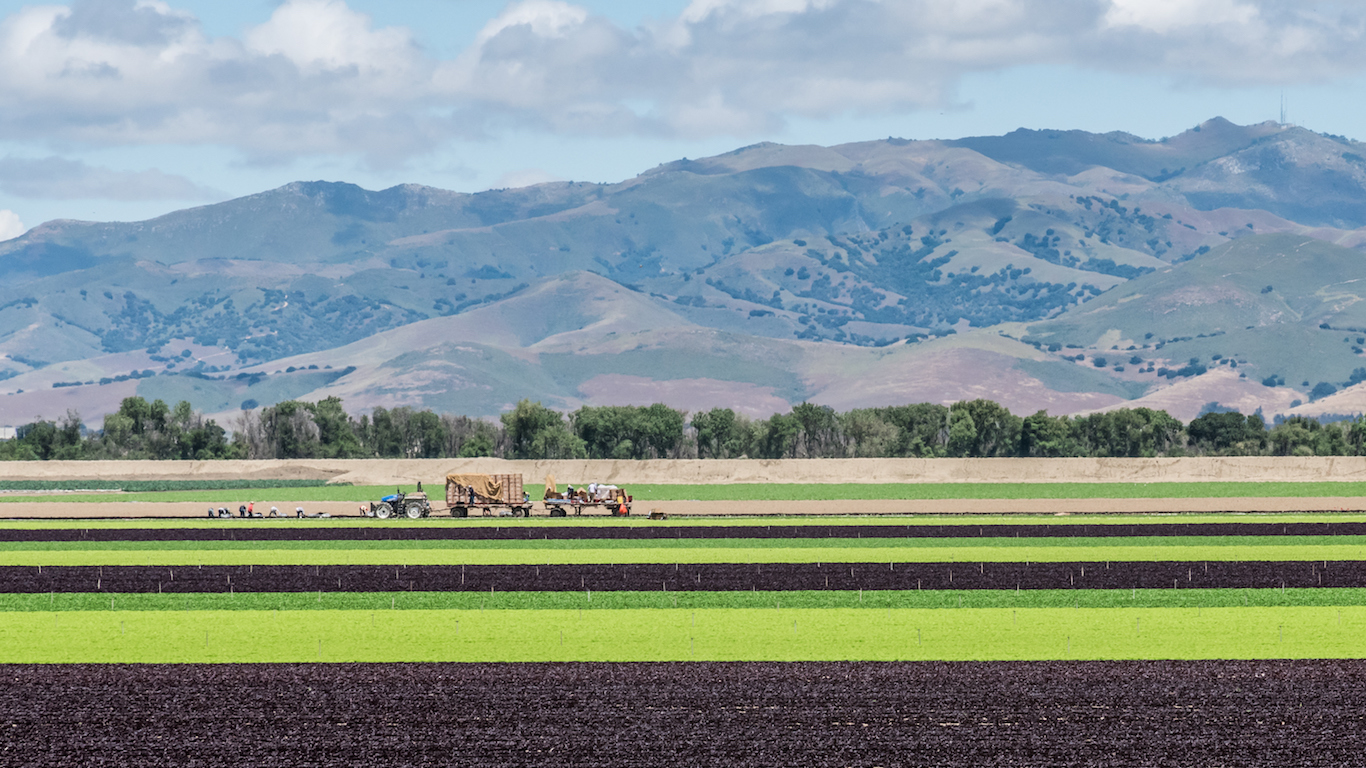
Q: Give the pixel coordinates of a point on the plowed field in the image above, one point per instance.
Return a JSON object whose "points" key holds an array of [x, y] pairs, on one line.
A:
{"points": [[562, 600], [1269, 713], [699, 577]]}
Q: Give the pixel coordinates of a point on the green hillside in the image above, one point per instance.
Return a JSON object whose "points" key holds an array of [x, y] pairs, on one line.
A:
{"points": [[1132, 263], [1279, 305]]}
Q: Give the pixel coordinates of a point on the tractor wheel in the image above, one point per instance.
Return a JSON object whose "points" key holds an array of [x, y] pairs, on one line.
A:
{"points": [[413, 510], [384, 510]]}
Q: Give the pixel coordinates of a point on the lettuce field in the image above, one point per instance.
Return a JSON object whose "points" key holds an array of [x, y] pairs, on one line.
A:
{"points": [[1030, 642]]}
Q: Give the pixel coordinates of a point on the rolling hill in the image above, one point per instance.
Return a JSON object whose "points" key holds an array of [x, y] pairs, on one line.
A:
{"points": [[1056, 270]]}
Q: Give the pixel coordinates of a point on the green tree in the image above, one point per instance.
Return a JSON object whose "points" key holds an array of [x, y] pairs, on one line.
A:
{"points": [[138, 412], [557, 442], [776, 437], [477, 445], [537, 432], [1227, 433], [337, 436], [719, 431], [996, 431], [428, 439], [661, 431], [467, 437], [384, 438], [608, 431], [923, 429], [962, 433], [869, 434], [820, 434], [291, 431], [1044, 436]]}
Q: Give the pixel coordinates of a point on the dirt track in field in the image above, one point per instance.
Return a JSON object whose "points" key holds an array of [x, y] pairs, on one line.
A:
{"points": [[124, 509], [1099, 714]]}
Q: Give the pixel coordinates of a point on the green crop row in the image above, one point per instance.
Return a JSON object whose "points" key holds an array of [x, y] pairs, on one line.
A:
{"points": [[779, 491], [759, 634], [152, 486], [1199, 599]]}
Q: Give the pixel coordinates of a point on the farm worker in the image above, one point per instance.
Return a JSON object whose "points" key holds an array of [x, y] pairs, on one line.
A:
{"points": [[251, 509], [274, 511], [242, 511], [211, 512], [298, 511], [471, 490]]}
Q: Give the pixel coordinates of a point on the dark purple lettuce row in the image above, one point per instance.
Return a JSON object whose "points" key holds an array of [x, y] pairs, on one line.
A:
{"points": [[705, 577], [629, 715]]}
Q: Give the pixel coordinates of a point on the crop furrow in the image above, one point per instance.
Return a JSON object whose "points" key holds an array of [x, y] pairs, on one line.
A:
{"points": [[682, 577]]}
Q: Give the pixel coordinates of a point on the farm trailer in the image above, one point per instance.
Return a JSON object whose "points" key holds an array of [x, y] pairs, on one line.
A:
{"points": [[609, 497], [491, 494]]}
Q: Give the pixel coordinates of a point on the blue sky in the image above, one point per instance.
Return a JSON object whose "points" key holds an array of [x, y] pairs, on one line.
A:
{"points": [[126, 109]]}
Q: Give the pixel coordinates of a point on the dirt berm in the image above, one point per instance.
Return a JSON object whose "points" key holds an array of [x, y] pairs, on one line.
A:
{"points": [[711, 472]]}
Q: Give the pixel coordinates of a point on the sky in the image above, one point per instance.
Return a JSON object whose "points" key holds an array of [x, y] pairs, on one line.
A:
{"points": [[128, 109]]}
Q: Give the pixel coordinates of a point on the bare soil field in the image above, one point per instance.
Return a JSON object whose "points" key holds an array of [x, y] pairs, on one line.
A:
{"points": [[703, 472], [133, 509], [1133, 714], [696, 577]]}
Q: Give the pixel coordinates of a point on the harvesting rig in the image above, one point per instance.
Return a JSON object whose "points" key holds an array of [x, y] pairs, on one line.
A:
{"points": [[491, 494], [413, 505], [616, 501]]}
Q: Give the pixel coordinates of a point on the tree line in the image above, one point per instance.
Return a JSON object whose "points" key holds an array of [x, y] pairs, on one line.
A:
{"points": [[968, 429]]}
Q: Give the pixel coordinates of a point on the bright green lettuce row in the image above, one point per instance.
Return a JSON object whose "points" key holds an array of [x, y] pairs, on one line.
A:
{"points": [[757, 634], [660, 600]]}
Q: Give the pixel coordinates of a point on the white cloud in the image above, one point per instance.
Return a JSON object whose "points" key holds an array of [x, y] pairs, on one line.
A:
{"points": [[327, 34], [1163, 16], [545, 18], [525, 177], [316, 78], [55, 178], [10, 225], [319, 78]]}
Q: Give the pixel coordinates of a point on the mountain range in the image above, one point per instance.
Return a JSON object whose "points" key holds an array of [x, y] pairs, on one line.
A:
{"points": [[1056, 270]]}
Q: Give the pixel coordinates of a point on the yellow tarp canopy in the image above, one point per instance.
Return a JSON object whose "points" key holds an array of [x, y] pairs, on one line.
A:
{"points": [[483, 485]]}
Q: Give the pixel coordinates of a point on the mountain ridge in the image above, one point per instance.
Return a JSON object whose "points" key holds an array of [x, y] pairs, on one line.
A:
{"points": [[802, 255]]}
